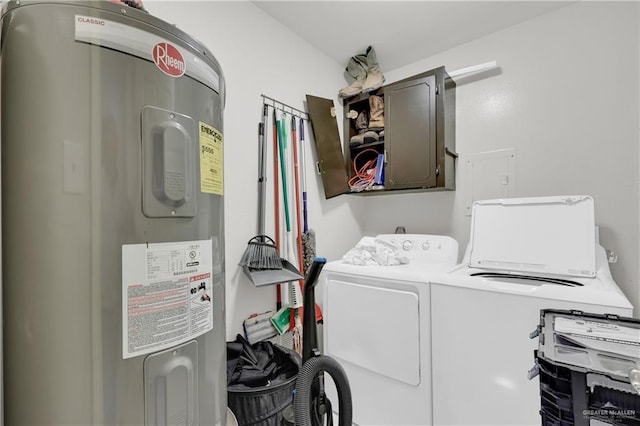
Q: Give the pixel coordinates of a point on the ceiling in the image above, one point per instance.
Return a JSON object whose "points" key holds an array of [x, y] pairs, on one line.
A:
{"points": [[402, 32]]}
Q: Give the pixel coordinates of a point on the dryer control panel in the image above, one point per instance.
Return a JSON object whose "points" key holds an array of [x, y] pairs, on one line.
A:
{"points": [[424, 247]]}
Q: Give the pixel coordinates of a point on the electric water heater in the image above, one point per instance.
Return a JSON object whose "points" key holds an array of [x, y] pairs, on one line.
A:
{"points": [[112, 218]]}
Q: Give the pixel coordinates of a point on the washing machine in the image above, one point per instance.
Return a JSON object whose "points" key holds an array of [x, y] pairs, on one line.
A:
{"points": [[524, 255], [377, 325]]}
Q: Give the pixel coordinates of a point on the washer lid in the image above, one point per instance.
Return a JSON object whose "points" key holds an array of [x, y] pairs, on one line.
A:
{"points": [[551, 235]]}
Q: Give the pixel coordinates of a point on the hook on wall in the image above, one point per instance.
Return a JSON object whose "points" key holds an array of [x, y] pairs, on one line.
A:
{"points": [[280, 106]]}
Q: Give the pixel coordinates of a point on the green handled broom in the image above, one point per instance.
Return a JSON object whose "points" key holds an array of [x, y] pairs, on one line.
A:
{"points": [[295, 292]]}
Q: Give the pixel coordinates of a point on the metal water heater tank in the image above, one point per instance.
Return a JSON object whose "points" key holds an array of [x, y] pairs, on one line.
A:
{"points": [[112, 218]]}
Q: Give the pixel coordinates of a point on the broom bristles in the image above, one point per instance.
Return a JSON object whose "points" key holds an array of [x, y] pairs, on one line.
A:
{"points": [[261, 253], [309, 248]]}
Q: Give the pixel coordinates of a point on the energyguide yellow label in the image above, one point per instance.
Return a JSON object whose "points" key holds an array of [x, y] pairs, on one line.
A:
{"points": [[211, 160]]}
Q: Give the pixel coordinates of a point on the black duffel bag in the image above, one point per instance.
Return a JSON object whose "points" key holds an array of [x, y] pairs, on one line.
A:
{"points": [[260, 381]]}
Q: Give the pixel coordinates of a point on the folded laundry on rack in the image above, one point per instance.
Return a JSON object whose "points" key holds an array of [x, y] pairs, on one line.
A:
{"points": [[373, 251]]}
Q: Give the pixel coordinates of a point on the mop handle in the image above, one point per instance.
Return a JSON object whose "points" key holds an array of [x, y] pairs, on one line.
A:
{"points": [[283, 173], [296, 175]]}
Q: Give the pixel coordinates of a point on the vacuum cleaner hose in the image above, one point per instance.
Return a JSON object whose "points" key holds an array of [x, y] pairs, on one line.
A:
{"points": [[302, 399]]}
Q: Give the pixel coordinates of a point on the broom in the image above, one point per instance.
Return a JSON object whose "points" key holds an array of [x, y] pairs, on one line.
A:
{"points": [[308, 238], [261, 252], [308, 235]]}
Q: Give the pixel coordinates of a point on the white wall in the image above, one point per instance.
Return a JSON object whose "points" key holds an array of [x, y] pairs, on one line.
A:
{"points": [[259, 56], [566, 98]]}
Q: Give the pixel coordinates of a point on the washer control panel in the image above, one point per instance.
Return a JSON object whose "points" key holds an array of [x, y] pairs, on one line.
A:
{"points": [[423, 247]]}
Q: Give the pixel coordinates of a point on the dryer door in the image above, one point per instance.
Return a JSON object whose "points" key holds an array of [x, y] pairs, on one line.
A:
{"points": [[374, 329]]}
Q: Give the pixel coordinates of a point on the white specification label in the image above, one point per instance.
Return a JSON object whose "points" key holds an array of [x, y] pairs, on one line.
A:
{"points": [[601, 335], [166, 295]]}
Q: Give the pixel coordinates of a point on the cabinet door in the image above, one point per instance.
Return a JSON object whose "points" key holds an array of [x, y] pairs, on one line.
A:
{"points": [[410, 133], [328, 147]]}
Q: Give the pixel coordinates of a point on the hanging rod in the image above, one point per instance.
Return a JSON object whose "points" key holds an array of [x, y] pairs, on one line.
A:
{"points": [[473, 69], [283, 107]]}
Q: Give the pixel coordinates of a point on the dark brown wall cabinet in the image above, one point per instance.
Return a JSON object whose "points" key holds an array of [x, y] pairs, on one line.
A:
{"points": [[416, 144]]}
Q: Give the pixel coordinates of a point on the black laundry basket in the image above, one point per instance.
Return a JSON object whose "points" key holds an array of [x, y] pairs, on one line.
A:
{"points": [[260, 381]]}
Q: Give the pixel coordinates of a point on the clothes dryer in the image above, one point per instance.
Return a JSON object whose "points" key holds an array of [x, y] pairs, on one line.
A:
{"points": [[377, 325], [524, 255]]}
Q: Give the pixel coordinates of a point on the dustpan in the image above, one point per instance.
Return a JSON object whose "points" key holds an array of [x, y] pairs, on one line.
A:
{"points": [[262, 277]]}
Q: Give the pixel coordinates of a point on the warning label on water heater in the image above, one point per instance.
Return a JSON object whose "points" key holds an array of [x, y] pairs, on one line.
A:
{"points": [[166, 295], [211, 166]]}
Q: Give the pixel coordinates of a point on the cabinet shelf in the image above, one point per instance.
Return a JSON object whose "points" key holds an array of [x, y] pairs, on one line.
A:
{"points": [[366, 145]]}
